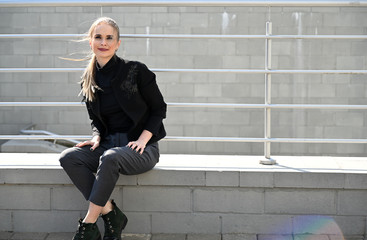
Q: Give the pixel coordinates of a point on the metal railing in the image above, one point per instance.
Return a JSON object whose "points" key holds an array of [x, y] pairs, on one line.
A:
{"points": [[228, 3], [29, 130], [268, 71]]}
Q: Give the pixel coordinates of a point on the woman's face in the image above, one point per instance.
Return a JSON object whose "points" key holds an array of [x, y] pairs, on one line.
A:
{"points": [[104, 42]]}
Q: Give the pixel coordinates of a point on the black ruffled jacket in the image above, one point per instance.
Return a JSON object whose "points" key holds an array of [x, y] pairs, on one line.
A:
{"points": [[138, 95]]}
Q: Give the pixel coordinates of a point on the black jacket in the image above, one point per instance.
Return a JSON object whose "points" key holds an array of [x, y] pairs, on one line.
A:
{"points": [[138, 95]]}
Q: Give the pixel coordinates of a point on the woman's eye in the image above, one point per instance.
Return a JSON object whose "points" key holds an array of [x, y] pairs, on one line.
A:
{"points": [[109, 38], [97, 37]]}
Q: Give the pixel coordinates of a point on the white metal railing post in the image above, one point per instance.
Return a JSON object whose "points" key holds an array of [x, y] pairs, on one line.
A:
{"points": [[267, 112]]}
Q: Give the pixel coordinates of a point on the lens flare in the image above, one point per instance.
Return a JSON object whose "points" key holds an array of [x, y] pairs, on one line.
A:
{"points": [[316, 224]]}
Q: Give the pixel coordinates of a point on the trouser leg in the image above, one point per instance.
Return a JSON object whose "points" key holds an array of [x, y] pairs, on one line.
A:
{"points": [[120, 160], [81, 164]]}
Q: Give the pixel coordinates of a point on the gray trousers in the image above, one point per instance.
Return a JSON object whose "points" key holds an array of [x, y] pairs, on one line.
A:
{"points": [[95, 173]]}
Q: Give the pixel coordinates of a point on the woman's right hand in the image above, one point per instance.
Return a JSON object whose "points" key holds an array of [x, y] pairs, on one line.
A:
{"points": [[94, 142]]}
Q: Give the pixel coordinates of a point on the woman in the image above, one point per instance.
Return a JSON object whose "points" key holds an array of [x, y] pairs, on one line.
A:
{"points": [[126, 109]]}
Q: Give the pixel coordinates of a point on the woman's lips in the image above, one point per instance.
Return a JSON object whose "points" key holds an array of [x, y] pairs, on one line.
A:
{"points": [[102, 49]]}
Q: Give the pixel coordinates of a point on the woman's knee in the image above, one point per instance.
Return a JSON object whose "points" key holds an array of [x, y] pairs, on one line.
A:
{"points": [[67, 156], [110, 158]]}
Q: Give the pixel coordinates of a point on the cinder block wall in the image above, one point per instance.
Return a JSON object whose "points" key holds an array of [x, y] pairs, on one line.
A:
{"points": [[204, 201], [200, 87]]}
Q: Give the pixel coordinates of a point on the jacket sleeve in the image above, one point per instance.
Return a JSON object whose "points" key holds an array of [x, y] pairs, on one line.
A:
{"points": [[153, 97]]}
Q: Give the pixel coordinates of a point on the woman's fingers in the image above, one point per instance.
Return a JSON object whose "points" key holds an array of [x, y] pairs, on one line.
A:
{"points": [[137, 146], [95, 145], [86, 143], [82, 144]]}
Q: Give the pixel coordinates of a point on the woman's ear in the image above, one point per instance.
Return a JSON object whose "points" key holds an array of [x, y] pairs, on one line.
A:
{"points": [[118, 45]]}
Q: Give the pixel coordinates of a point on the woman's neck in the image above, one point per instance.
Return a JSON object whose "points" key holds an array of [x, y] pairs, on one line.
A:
{"points": [[103, 61]]}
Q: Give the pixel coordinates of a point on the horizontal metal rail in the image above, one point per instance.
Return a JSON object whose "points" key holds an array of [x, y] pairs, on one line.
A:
{"points": [[194, 70], [191, 36], [198, 105], [44, 133], [272, 106], [263, 140], [194, 139], [41, 104], [160, 3]]}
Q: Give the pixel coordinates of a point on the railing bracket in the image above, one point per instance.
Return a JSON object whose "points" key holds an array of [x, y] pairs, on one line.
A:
{"points": [[268, 161]]}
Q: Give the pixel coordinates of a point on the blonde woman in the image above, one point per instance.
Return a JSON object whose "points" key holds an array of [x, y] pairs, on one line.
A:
{"points": [[126, 109]]}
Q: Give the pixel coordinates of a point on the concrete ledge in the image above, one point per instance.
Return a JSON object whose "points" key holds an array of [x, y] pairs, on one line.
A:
{"points": [[197, 194]]}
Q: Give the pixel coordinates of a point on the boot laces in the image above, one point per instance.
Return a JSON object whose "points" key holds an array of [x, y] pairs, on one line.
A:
{"points": [[108, 227]]}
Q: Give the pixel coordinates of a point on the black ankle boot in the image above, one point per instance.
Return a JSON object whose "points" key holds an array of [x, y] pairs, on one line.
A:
{"points": [[114, 222], [87, 231]]}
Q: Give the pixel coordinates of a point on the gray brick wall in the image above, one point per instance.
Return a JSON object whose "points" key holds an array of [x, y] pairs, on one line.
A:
{"points": [[199, 201], [200, 87]]}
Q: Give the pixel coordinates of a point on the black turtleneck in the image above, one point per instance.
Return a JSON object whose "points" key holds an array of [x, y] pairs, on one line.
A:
{"points": [[111, 112]]}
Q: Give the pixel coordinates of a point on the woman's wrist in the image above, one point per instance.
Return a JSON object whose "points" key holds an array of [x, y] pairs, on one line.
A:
{"points": [[96, 138], [145, 136]]}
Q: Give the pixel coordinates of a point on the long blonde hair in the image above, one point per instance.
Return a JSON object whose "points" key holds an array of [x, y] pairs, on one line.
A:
{"points": [[88, 81]]}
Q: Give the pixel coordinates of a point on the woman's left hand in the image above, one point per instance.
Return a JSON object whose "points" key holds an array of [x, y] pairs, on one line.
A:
{"points": [[138, 146]]}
